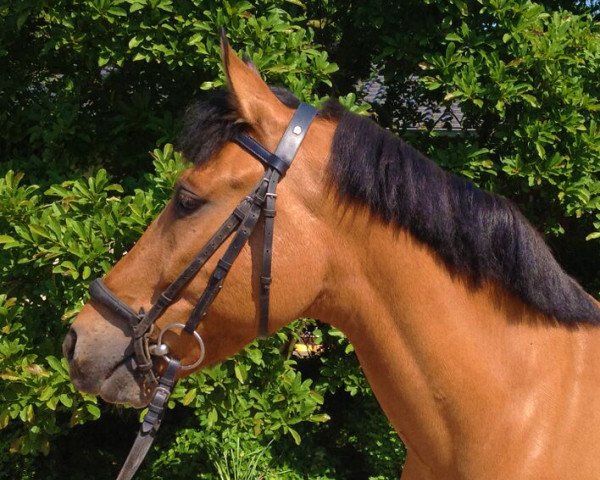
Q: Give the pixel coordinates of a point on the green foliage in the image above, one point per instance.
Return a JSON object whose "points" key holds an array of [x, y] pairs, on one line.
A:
{"points": [[258, 392], [54, 242], [124, 70], [237, 464], [528, 87], [89, 87]]}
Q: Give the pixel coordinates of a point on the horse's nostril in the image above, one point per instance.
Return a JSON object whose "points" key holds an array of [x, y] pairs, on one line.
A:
{"points": [[68, 346]]}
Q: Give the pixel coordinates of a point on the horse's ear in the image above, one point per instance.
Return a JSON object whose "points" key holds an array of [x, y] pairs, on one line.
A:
{"points": [[250, 64], [257, 104]]}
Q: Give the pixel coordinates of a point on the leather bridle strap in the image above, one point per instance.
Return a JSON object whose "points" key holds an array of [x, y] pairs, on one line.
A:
{"points": [[151, 423], [263, 200], [284, 154], [242, 221], [142, 322], [100, 292], [220, 272], [171, 292]]}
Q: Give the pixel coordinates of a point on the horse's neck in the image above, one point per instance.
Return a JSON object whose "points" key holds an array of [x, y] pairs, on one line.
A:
{"points": [[450, 364]]}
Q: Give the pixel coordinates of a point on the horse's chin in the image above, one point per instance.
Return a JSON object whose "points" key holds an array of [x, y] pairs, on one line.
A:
{"points": [[122, 386]]}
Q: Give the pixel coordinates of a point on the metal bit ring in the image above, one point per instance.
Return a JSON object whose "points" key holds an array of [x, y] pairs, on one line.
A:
{"points": [[172, 326]]}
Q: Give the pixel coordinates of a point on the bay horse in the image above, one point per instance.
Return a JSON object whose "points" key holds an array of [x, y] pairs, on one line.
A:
{"points": [[483, 353]]}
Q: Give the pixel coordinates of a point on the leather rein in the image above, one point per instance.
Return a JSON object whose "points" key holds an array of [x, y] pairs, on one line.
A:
{"points": [[241, 223]]}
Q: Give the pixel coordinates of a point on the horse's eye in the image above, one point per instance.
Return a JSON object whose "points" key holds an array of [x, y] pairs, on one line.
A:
{"points": [[186, 202]]}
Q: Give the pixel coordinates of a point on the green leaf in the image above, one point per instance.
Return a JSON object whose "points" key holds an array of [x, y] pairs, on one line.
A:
{"points": [[540, 149], [453, 37], [38, 230], [55, 363], [52, 403], [117, 11], [189, 396], [22, 19], [212, 416], [530, 99], [87, 271], [255, 355], [320, 418], [453, 95], [47, 393], [240, 372], [93, 410], [66, 400], [135, 7], [134, 42], [295, 435], [462, 6], [4, 419]]}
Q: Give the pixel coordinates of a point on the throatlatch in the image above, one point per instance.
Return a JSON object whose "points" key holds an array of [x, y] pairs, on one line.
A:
{"points": [[241, 223]]}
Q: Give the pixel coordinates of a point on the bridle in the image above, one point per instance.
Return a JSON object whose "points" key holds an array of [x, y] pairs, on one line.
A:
{"points": [[242, 222]]}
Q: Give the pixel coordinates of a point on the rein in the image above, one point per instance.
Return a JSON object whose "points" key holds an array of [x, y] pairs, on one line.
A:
{"points": [[242, 222]]}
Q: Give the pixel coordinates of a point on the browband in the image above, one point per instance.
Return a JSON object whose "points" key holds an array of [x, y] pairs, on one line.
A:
{"points": [[288, 145]]}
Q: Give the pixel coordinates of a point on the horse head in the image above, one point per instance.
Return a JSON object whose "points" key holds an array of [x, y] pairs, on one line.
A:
{"points": [[99, 346]]}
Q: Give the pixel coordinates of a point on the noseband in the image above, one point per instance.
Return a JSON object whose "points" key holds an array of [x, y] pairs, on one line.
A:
{"points": [[242, 222]]}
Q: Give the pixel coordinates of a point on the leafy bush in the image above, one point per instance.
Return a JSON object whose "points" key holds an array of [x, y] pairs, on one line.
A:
{"points": [[55, 241], [89, 87], [123, 71], [528, 87]]}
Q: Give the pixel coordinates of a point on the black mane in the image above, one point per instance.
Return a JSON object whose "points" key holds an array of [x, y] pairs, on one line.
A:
{"points": [[207, 126], [474, 232]]}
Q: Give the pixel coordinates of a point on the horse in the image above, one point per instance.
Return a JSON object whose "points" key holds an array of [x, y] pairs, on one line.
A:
{"points": [[482, 352]]}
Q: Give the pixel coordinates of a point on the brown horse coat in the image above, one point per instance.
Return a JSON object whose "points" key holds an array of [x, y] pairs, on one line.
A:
{"points": [[482, 376]]}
